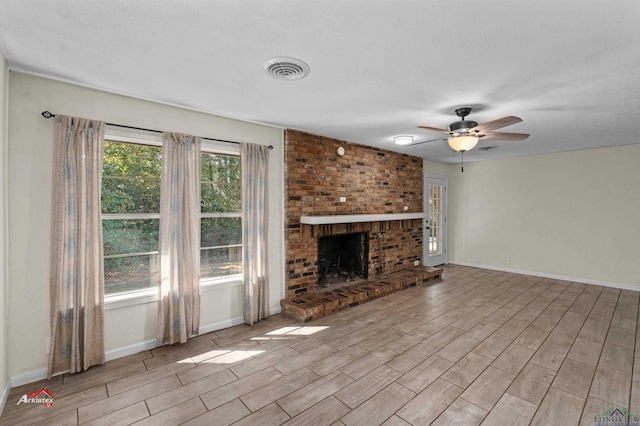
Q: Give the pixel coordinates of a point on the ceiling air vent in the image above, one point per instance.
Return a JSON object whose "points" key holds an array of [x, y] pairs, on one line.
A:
{"points": [[286, 68], [487, 148]]}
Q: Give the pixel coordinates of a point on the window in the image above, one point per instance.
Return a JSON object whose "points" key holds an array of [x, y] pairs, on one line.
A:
{"points": [[130, 215], [131, 179], [220, 223]]}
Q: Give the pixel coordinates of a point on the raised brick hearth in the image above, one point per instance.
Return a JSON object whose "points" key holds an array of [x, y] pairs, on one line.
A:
{"points": [[313, 306]]}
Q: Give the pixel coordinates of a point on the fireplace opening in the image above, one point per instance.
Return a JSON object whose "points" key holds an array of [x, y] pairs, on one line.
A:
{"points": [[343, 259]]}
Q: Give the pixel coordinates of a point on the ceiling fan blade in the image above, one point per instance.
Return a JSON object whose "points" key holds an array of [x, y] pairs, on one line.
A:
{"points": [[432, 140], [505, 136], [435, 129], [496, 124]]}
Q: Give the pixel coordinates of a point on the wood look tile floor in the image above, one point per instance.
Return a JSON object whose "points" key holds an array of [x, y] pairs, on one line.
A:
{"points": [[477, 347]]}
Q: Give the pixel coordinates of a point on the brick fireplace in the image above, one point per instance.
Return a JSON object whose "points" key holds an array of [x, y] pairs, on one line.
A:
{"points": [[372, 181]]}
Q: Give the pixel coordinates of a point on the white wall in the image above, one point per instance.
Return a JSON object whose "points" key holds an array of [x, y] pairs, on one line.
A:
{"points": [[431, 168], [4, 282], [571, 214], [30, 167]]}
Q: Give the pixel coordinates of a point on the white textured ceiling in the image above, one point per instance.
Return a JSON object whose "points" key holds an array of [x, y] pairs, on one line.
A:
{"points": [[569, 69]]}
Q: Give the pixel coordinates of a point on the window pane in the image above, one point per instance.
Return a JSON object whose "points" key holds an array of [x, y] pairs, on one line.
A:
{"points": [[221, 237], [131, 178], [130, 273], [220, 183], [217, 198], [130, 195], [123, 236], [218, 262], [220, 231]]}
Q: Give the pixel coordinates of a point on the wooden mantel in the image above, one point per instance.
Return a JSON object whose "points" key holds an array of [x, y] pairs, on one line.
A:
{"points": [[352, 218]]}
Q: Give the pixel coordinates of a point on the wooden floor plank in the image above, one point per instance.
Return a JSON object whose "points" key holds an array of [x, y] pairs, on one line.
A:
{"points": [[278, 389], [377, 409], [368, 363], [430, 403], [461, 412], [223, 415], [191, 390], [365, 387], [550, 355], [574, 377], [512, 411], [297, 402], [559, 408], [271, 415], [514, 358], [323, 413], [611, 385], [177, 414], [124, 399], [125, 416], [465, 371], [486, 391], [596, 408]]}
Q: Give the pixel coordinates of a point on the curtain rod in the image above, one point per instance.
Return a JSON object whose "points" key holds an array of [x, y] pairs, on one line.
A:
{"points": [[47, 114]]}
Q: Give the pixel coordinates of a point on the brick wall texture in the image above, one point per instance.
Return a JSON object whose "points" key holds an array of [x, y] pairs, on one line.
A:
{"points": [[372, 180]]}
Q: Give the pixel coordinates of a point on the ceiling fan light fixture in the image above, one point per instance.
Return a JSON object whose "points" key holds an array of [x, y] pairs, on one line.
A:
{"points": [[463, 143], [403, 140]]}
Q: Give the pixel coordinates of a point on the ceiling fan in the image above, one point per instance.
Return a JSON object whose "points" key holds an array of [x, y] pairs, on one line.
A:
{"points": [[465, 134]]}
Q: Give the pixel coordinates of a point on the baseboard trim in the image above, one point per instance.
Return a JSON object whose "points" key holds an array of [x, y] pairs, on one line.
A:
{"points": [[275, 311], [233, 321], [221, 325], [130, 350], [620, 286], [30, 377], [5, 395]]}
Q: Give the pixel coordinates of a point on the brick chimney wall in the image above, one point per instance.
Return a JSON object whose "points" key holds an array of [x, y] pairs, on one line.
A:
{"points": [[373, 181]]}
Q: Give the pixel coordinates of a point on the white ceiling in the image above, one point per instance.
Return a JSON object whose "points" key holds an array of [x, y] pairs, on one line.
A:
{"points": [[569, 68]]}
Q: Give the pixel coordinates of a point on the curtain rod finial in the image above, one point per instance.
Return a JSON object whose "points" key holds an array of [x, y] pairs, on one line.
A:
{"points": [[47, 114]]}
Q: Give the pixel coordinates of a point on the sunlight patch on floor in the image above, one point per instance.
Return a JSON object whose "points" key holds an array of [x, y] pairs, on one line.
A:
{"points": [[307, 331], [233, 357], [289, 333]]}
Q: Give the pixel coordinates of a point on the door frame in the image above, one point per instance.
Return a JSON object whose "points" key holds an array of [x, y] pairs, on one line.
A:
{"points": [[443, 180]]}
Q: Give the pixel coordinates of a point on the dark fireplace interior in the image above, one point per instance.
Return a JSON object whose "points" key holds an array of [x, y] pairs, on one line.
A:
{"points": [[342, 259]]}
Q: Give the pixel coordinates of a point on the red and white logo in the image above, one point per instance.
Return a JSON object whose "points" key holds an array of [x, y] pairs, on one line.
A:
{"points": [[40, 397]]}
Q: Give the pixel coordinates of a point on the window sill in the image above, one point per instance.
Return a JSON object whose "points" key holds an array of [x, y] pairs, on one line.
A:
{"points": [[121, 300], [210, 284], [140, 297]]}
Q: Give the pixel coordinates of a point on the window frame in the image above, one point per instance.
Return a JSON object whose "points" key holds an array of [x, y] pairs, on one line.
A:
{"points": [[148, 295]]}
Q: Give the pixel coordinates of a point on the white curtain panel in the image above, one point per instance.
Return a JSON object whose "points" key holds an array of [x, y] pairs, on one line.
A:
{"points": [[179, 245], [77, 278], [254, 171]]}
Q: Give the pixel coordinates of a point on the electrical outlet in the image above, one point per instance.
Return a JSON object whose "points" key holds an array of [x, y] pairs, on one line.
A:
{"points": [[507, 260], [406, 208], [416, 262], [343, 199]]}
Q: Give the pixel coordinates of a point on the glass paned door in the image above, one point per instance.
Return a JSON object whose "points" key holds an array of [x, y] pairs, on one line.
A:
{"points": [[435, 222]]}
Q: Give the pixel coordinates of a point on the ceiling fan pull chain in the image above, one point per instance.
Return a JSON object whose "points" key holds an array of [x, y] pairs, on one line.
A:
{"points": [[462, 162]]}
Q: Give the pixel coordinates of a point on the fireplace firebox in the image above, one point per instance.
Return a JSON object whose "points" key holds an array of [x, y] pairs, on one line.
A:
{"points": [[343, 258]]}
